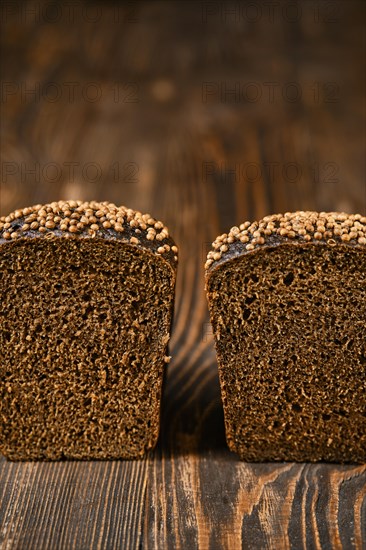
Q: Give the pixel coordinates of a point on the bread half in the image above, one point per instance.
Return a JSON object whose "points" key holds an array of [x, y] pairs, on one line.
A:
{"points": [[86, 293], [287, 300]]}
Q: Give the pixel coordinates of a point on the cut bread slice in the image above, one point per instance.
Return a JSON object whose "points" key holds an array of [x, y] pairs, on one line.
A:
{"points": [[86, 292], [287, 300]]}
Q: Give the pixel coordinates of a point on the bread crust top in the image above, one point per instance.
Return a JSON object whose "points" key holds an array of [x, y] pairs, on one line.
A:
{"points": [[82, 219], [300, 227]]}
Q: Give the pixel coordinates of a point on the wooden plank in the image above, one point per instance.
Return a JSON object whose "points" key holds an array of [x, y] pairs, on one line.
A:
{"points": [[177, 132], [228, 504], [71, 505]]}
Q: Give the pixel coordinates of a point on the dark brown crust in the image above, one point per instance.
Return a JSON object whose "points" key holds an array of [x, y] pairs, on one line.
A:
{"points": [[14, 227], [290, 228]]}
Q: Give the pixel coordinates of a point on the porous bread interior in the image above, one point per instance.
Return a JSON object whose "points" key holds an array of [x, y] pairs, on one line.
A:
{"points": [[289, 325], [84, 326]]}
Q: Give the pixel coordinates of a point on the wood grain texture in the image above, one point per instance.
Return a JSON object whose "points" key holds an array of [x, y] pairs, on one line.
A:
{"points": [[175, 128]]}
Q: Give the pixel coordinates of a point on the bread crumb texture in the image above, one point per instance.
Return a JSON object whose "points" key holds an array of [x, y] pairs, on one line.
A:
{"points": [[84, 330], [289, 327], [300, 226]]}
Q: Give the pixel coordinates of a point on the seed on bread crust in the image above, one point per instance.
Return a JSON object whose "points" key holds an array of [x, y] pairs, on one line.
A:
{"points": [[88, 219], [303, 226]]}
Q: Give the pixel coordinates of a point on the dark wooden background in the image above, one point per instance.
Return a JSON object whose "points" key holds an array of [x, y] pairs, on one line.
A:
{"points": [[204, 114]]}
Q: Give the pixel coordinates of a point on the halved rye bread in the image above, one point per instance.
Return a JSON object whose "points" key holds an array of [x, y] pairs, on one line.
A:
{"points": [[86, 293], [287, 300]]}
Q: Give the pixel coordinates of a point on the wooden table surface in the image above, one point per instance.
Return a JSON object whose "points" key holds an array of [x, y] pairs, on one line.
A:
{"points": [[204, 114]]}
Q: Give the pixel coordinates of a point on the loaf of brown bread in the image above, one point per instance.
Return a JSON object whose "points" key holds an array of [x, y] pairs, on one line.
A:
{"points": [[287, 300], [86, 293]]}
